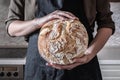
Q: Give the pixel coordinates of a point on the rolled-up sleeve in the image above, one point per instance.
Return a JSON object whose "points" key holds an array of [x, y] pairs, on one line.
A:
{"points": [[16, 12], [104, 14]]}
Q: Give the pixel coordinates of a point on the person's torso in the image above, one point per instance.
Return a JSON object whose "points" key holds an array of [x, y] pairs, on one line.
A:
{"points": [[31, 7], [34, 61], [76, 7]]}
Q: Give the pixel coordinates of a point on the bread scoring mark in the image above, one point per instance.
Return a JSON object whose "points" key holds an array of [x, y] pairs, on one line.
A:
{"points": [[44, 31], [56, 31]]}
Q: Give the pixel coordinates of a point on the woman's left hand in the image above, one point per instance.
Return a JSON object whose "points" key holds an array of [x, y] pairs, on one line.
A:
{"points": [[76, 62], [97, 44]]}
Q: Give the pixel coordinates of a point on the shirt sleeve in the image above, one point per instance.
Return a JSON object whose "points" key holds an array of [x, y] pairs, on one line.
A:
{"points": [[16, 12], [103, 17]]}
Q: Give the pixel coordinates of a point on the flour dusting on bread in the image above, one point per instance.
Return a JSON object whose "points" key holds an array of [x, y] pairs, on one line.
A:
{"points": [[59, 41]]}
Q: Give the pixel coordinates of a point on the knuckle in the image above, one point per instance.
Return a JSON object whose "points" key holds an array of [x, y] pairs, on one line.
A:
{"points": [[57, 10], [53, 13], [67, 12]]}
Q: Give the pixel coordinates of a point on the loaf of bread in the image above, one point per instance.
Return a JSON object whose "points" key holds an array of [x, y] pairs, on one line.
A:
{"points": [[61, 40]]}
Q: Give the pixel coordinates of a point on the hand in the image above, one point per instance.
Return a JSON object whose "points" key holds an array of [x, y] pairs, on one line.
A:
{"points": [[63, 15], [76, 62]]}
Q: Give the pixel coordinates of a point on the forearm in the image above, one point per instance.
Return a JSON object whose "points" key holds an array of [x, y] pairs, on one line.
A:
{"points": [[99, 41], [22, 28]]}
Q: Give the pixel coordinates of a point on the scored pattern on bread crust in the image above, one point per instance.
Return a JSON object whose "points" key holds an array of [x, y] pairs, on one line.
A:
{"points": [[59, 41]]}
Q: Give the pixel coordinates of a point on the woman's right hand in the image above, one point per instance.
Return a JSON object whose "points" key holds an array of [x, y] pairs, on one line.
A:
{"points": [[63, 15], [22, 28]]}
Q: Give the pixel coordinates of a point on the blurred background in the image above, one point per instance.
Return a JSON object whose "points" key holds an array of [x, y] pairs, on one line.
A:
{"points": [[13, 50], [5, 40]]}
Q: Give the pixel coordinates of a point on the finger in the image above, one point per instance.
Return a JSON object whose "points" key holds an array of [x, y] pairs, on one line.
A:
{"points": [[80, 59], [56, 66], [68, 67], [65, 14], [52, 17], [56, 11], [72, 15], [73, 66]]}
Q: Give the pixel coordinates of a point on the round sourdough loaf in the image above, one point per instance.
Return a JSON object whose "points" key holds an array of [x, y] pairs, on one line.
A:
{"points": [[61, 40]]}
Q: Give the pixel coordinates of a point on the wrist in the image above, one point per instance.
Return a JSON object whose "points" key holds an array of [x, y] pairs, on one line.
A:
{"points": [[39, 22], [36, 23], [90, 51]]}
